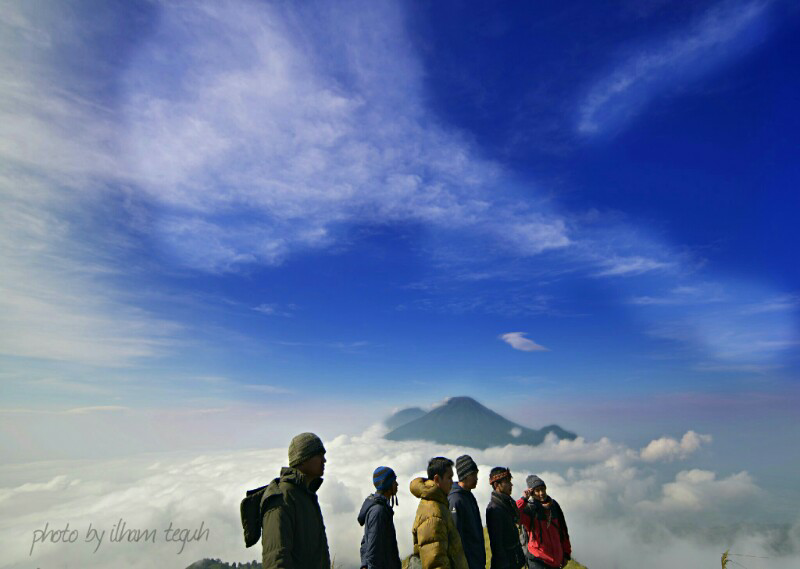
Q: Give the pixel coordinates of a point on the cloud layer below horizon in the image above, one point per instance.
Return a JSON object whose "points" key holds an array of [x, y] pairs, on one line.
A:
{"points": [[621, 507]]}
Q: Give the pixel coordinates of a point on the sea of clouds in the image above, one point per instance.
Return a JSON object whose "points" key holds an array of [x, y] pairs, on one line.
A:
{"points": [[622, 510]]}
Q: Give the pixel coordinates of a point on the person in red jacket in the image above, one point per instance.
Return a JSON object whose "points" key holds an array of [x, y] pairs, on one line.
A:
{"points": [[543, 519]]}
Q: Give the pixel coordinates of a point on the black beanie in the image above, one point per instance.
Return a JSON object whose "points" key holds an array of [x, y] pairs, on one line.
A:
{"points": [[465, 466], [534, 481]]}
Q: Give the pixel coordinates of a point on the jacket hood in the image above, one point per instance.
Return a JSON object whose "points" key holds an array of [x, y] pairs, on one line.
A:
{"points": [[294, 476], [372, 500], [428, 490]]}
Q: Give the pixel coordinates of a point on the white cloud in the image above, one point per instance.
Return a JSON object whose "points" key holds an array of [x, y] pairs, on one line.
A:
{"points": [[55, 484], [605, 501], [701, 293], [96, 409], [669, 449], [272, 309], [267, 389], [728, 325], [441, 403], [729, 336], [696, 490], [518, 341], [303, 137], [782, 303], [515, 432], [626, 266], [555, 450], [69, 386], [268, 309], [724, 31], [254, 139], [56, 301], [266, 140], [57, 295], [736, 368], [348, 346]]}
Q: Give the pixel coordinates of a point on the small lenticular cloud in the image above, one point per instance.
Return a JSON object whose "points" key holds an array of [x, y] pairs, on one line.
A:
{"points": [[518, 341], [515, 432]]}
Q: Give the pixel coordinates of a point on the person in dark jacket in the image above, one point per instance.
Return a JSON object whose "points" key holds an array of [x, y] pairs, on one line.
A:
{"points": [[466, 514], [548, 536], [502, 518], [293, 531], [379, 544]]}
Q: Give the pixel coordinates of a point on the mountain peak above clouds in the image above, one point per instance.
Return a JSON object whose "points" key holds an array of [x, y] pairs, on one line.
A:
{"points": [[464, 421], [403, 416]]}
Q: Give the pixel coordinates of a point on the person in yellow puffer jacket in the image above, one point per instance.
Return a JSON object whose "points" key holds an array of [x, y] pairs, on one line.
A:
{"points": [[435, 537]]}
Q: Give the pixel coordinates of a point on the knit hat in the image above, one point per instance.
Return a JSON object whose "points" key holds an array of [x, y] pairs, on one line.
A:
{"points": [[383, 477], [499, 473], [465, 466], [303, 447], [534, 481]]}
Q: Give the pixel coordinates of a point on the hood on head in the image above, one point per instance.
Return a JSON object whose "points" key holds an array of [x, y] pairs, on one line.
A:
{"points": [[426, 489], [370, 501], [294, 476]]}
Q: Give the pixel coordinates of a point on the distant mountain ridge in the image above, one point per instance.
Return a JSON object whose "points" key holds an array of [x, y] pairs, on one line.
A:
{"points": [[465, 422], [403, 416]]}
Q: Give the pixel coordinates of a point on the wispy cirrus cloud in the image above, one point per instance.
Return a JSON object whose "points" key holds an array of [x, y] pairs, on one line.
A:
{"points": [[266, 141], [269, 389], [68, 411], [736, 325], [304, 139], [258, 138], [759, 369], [725, 31], [96, 409], [505, 302], [354, 346], [321, 141], [272, 309], [626, 266], [782, 303], [699, 293], [58, 300]]}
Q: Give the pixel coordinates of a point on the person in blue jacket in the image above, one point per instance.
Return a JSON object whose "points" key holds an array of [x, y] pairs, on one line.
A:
{"points": [[466, 514], [379, 544]]}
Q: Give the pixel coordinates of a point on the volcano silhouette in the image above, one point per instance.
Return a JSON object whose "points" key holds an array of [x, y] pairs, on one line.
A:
{"points": [[465, 422]]}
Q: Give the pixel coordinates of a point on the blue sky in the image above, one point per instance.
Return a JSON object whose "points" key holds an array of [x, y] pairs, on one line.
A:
{"points": [[297, 208]]}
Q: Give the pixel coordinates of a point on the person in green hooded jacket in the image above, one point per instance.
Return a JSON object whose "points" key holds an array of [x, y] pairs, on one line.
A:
{"points": [[293, 531], [434, 534]]}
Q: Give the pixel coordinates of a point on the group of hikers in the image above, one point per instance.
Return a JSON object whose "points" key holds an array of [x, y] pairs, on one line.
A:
{"points": [[530, 532]]}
